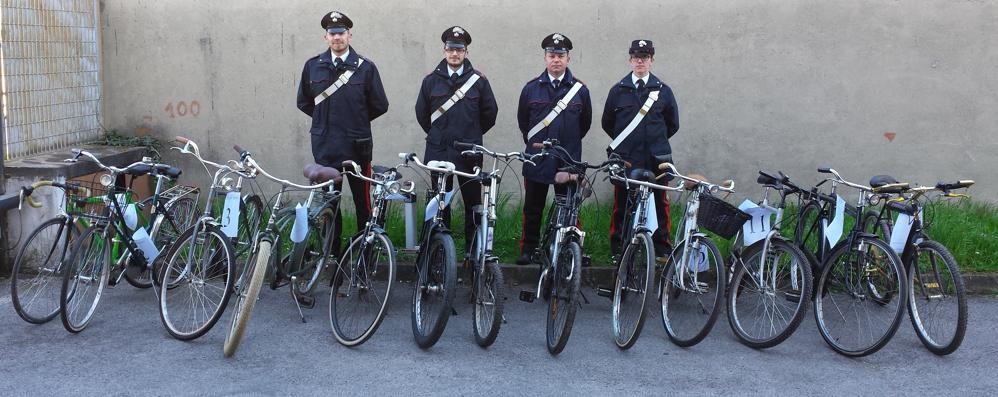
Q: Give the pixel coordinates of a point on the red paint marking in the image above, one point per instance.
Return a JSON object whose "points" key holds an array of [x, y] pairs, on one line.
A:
{"points": [[890, 136], [142, 130]]}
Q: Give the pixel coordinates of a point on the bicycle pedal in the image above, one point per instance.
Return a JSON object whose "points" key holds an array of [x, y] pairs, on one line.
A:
{"points": [[587, 261], [604, 292], [527, 296], [306, 301]]}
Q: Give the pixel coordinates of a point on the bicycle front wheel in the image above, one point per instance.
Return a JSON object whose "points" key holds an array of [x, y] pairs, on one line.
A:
{"points": [[857, 302], [84, 276], [937, 301], [489, 298], [36, 278], [434, 290], [198, 275], [362, 285], [691, 292], [767, 304], [248, 290], [630, 293], [565, 283]]}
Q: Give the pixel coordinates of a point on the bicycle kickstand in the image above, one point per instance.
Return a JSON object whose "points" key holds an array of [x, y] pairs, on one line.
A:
{"points": [[300, 299]]}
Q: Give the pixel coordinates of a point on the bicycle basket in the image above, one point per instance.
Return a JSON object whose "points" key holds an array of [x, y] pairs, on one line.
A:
{"points": [[91, 203], [720, 217]]}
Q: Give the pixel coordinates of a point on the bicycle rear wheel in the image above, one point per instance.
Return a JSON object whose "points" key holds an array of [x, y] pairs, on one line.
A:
{"points": [[937, 299], [630, 293], [766, 307], [36, 278], [852, 317], [433, 293], [564, 300], [362, 285], [198, 274], [247, 292], [489, 298], [182, 212], [691, 295], [85, 274]]}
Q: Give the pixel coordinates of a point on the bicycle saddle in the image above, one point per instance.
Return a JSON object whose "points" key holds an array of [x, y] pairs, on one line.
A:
{"points": [[447, 165], [563, 177], [139, 170], [881, 180], [643, 175], [380, 169], [319, 174], [168, 171]]}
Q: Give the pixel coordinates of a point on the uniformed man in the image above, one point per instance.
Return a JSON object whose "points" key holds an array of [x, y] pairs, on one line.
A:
{"points": [[342, 92], [456, 104], [641, 138], [540, 117]]}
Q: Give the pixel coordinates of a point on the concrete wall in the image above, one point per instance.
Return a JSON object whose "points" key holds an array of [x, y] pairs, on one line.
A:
{"points": [[899, 87]]}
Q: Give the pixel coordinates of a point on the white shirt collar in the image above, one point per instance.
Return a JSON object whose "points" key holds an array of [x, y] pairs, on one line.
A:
{"points": [[634, 79], [343, 58], [459, 71], [560, 79]]}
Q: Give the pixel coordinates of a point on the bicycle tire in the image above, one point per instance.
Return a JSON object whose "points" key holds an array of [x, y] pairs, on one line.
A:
{"points": [[36, 282], [435, 287], [841, 276], [357, 261], [489, 297], [246, 298], [564, 296], [808, 235], [792, 282], [634, 274], [685, 328], [250, 215], [191, 324], [309, 257], [89, 260], [945, 342]]}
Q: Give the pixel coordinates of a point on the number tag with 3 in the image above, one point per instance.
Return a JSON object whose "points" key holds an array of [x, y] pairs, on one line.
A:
{"points": [[230, 214]]}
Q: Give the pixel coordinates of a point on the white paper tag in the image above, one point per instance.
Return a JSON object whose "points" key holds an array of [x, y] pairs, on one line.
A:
{"points": [[899, 234], [145, 244], [698, 260], [230, 214], [833, 230], [759, 226], [300, 228], [652, 217], [431, 206], [131, 217]]}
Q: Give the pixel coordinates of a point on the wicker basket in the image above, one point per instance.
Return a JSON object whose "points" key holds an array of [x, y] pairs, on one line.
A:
{"points": [[720, 217]]}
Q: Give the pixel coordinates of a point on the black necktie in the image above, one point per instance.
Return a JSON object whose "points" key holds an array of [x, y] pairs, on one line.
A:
{"points": [[556, 83], [641, 85], [453, 76], [337, 62]]}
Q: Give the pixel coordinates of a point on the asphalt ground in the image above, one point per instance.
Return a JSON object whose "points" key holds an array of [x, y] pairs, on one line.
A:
{"points": [[126, 351]]}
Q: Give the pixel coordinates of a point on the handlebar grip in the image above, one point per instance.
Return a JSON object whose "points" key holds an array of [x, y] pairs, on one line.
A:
{"points": [[666, 166], [181, 139], [537, 145], [462, 145], [238, 149], [825, 170]]}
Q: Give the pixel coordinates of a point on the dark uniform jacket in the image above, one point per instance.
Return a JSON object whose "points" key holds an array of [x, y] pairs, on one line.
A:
{"points": [[341, 124], [651, 137], [536, 101], [466, 121]]}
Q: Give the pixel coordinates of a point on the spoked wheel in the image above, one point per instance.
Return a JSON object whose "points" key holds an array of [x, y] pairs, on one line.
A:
{"points": [[198, 273], [807, 234], [310, 256], [362, 285], [84, 276], [630, 292], [936, 298], [765, 306], [36, 278], [691, 295], [434, 291], [489, 298], [183, 212], [247, 291], [564, 300], [851, 314]]}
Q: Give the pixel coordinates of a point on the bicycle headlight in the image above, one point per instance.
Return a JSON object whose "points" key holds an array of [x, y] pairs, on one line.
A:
{"points": [[106, 180]]}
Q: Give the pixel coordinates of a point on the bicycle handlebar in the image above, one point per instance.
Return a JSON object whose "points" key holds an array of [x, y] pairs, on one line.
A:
{"points": [[838, 179], [254, 167], [411, 157], [726, 186]]}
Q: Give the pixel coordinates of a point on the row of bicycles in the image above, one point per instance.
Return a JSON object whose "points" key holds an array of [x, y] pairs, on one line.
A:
{"points": [[788, 253]]}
